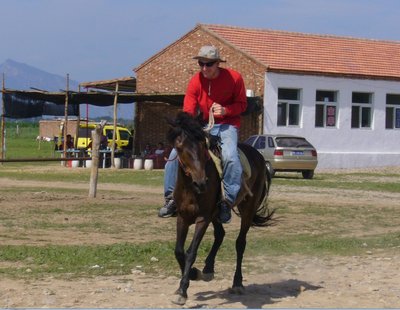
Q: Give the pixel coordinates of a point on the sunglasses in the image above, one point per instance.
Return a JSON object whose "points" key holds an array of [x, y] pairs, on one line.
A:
{"points": [[207, 64]]}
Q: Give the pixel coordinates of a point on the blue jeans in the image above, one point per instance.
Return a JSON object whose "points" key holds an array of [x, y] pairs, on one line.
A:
{"points": [[232, 168], [170, 173]]}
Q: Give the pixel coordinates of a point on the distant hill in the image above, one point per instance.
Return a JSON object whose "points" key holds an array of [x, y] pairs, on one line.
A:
{"points": [[21, 76]]}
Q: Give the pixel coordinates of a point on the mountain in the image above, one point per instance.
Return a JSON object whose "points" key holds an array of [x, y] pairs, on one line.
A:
{"points": [[22, 77]]}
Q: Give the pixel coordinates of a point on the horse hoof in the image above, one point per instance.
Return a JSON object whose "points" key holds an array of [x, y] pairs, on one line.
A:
{"points": [[237, 290], [195, 274], [208, 277], [180, 300]]}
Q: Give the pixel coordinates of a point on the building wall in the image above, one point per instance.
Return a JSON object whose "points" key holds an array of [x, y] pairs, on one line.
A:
{"points": [[153, 125], [342, 146], [170, 71], [52, 128]]}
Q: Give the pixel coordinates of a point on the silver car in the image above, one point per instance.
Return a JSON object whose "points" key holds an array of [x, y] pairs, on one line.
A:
{"points": [[286, 153]]}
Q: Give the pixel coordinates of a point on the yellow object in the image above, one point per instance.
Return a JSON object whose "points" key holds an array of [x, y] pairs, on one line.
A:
{"points": [[122, 136]]}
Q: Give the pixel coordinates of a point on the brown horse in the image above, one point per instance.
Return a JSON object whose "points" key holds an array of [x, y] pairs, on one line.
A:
{"points": [[197, 193]]}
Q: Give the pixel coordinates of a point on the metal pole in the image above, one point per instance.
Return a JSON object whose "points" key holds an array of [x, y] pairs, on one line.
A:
{"points": [[115, 126], [3, 123], [66, 120]]}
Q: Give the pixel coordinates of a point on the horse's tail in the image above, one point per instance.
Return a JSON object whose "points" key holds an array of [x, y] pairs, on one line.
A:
{"points": [[264, 215]]}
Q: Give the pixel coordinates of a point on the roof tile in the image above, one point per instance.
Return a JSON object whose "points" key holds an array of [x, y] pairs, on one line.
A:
{"points": [[300, 52]]}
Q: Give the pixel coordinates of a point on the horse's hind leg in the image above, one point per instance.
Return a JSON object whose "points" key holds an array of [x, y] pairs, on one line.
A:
{"points": [[237, 287], [219, 234]]}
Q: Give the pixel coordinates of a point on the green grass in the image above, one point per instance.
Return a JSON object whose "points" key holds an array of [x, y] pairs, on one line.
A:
{"points": [[356, 181], [307, 228], [21, 141], [121, 258], [121, 176]]}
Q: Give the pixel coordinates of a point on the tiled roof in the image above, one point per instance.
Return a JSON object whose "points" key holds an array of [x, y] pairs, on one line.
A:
{"points": [[314, 54]]}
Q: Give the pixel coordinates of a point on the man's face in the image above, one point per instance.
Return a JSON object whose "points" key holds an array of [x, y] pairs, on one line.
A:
{"points": [[209, 68]]}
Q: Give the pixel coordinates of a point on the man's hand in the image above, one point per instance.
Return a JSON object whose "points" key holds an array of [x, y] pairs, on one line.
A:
{"points": [[218, 110]]}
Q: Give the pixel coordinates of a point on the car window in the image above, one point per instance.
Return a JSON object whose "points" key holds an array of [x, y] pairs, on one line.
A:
{"points": [[124, 135], [250, 140], [260, 143], [270, 142], [292, 142], [85, 132], [109, 134]]}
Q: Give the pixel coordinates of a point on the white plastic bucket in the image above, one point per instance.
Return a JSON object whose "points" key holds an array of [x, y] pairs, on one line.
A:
{"points": [[138, 164], [75, 164], [117, 162], [148, 164], [88, 163], [249, 93]]}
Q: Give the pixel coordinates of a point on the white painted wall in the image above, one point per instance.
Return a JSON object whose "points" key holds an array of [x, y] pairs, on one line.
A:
{"points": [[343, 146]]}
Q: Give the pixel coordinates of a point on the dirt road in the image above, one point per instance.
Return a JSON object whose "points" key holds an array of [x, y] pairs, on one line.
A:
{"points": [[370, 280]]}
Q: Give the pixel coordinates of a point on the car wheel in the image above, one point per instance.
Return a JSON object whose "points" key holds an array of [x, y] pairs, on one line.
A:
{"points": [[270, 169], [308, 174]]}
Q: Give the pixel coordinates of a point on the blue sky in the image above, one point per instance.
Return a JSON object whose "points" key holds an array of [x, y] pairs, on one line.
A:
{"points": [[104, 39]]}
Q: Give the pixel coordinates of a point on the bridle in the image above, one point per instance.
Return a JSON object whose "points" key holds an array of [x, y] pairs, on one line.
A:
{"points": [[183, 166], [207, 129]]}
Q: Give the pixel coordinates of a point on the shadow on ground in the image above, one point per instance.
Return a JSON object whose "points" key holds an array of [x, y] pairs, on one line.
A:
{"points": [[258, 295]]}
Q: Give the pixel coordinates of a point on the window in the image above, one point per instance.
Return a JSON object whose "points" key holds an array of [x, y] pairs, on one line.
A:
{"points": [[325, 108], [288, 107], [250, 140], [361, 110], [124, 135], [260, 143], [392, 111], [270, 142]]}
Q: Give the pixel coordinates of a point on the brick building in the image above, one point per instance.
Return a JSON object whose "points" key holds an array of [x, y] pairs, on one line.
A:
{"points": [[169, 72], [341, 93]]}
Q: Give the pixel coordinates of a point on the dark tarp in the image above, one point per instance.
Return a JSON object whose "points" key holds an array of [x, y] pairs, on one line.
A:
{"points": [[25, 104], [21, 106]]}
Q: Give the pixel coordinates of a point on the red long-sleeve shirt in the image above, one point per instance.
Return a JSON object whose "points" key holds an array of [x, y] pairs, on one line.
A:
{"points": [[227, 89]]}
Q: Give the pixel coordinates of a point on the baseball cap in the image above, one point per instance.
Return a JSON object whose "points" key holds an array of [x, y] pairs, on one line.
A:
{"points": [[209, 52]]}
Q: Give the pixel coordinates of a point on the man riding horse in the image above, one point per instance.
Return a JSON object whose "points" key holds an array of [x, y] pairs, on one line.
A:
{"points": [[221, 91]]}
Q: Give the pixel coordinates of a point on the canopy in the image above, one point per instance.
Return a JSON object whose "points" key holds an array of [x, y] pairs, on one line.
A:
{"points": [[25, 104]]}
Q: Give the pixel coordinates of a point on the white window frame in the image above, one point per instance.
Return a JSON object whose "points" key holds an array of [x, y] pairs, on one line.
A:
{"points": [[326, 104], [395, 116], [363, 106], [290, 104]]}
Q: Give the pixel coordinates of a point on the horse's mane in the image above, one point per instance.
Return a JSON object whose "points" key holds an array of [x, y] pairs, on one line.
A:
{"points": [[185, 123]]}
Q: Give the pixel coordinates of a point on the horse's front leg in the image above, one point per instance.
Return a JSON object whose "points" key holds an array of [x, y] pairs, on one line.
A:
{"points": [[190, 257], [181, 233], [219, 234]]}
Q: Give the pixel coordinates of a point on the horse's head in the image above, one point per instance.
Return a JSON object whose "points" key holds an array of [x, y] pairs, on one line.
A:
{"points": [[188, 138]]}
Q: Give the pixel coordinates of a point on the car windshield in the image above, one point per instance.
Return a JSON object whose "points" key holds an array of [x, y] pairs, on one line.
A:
{"points": [[292, 142]]}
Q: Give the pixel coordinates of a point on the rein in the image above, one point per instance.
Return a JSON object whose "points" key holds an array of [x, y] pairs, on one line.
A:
{"points": [[172, 159], [211, 120]]}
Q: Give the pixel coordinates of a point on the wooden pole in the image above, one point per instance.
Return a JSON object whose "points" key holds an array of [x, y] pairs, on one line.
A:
{"points": [[66, 120], [96, 136], [3, 123], [113, 145], [78, 123]]}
